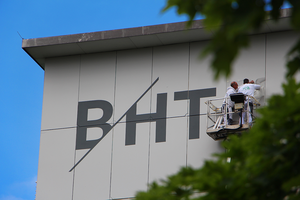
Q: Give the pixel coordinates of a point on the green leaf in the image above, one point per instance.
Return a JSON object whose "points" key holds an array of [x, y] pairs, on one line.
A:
{"points": [[292, 184]]}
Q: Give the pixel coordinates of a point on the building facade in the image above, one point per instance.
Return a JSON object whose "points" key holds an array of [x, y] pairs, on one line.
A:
{"points": [[124, 108]]}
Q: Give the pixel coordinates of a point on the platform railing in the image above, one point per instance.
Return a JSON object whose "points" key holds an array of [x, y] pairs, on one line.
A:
{"points": [[217, 112]]}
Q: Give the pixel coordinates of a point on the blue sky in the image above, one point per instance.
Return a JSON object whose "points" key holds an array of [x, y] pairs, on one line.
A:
{"points": [[21, 79]]}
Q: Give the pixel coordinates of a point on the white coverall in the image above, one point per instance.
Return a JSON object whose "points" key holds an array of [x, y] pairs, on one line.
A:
{"points": [[248, 89], [230, 105]]}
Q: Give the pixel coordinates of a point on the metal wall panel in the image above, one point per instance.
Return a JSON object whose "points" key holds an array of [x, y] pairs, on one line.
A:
{"points": [[251, 64], [170, 64], [168, 157], [130, 163], [130, 159], [92, 175], [60, 92], [97, 82], [278, 45], [202, 149], [202, 77], [97, 77], [56, 157], [133, 77]]}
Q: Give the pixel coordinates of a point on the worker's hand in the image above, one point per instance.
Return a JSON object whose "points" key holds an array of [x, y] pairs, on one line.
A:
{"points": [[252, 82]]}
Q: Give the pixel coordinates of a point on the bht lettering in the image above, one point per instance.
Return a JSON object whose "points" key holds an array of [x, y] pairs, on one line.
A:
{"points": [[132, 118]]}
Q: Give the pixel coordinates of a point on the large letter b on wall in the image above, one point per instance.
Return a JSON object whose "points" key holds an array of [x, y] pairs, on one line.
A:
{"points": [[83, 123]]}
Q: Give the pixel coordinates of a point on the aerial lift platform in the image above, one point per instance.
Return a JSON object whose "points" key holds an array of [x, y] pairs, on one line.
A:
{"points": [[217, 112]]}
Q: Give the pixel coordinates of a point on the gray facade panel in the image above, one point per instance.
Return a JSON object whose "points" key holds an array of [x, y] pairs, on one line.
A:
{"points": [[55, 158], [135, 152], [61, 93]]}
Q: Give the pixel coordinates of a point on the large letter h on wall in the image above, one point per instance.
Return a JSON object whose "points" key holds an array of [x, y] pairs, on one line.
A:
{"points": [[159, 117]]}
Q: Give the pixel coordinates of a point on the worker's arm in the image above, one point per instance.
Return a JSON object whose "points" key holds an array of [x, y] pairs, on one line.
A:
{"points": [[257, 87]]}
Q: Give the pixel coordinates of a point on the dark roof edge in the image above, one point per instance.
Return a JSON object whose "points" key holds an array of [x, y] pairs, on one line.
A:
{"points": [[121, 33], [111, 34]]}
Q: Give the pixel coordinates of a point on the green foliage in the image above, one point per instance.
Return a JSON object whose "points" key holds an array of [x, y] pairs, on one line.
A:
{"points": [[230, 21], [265, 161], [294, 60]]}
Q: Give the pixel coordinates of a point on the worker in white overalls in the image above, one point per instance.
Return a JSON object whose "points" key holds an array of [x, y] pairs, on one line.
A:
{"points": [[248, 88], [230, 104]]}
